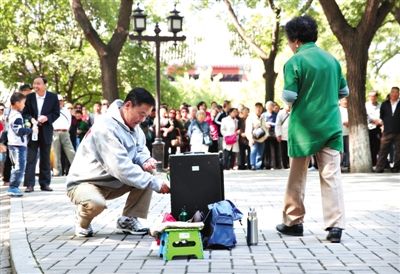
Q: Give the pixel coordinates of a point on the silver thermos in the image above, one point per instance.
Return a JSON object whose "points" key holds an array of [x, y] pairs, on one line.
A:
{"points": [[252, 227]]}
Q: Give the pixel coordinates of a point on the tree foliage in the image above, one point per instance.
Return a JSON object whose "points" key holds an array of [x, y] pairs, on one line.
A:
{"points": [[259, 32], [40, 38], [205, 88]]}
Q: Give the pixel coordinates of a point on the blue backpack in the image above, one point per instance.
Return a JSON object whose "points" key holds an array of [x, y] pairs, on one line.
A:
{"points": [[222, 235]]}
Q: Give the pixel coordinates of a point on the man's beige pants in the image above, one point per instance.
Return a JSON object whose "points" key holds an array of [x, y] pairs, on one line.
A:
{"points": [[331, 189], [61, 141], [91, 201]]}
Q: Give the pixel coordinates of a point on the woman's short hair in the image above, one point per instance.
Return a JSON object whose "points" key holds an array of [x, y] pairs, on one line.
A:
{"points": [[302, 28], [231, 110]]}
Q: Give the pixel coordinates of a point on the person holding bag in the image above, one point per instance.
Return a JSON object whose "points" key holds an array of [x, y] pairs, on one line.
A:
{"points": [[230, 131], [256, 132], [199, 133]]}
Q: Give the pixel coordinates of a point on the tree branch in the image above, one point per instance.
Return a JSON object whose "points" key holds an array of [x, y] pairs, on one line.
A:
{"points": [[396, 14], [242, 33], [121, 31], [276, 31], [90, 33], [306, 6], [337, 22], [373, 17]]}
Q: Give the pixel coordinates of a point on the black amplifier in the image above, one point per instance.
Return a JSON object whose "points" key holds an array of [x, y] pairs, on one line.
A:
{"points": [[196, 181]]}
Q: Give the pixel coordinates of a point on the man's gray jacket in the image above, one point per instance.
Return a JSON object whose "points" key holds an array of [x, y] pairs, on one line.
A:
{"points": [[111, 154]]}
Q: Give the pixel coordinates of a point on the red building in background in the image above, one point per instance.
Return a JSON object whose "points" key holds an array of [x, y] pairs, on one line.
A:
{"points": [[228, 73]]}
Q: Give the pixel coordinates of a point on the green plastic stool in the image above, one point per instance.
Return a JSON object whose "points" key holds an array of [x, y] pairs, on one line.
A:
{"points": [[181, 242]]}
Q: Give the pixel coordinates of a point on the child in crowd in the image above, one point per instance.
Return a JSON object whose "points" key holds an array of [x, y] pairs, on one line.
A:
{"points": [[17, 142]]}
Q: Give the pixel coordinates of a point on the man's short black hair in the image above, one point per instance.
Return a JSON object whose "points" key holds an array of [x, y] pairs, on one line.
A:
{"points": [[231, 110], [397, 88], [302, 28], [25, 87], [16, 97], [139, 96]]}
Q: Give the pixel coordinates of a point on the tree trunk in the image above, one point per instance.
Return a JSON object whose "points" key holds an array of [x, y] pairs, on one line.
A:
{"points": [[360, 155], [270, 78], [355, 43], [109, 80], [108, 53]]}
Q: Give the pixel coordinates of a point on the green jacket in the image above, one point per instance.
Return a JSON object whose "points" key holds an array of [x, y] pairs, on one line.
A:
{"points": [[313, 85]]}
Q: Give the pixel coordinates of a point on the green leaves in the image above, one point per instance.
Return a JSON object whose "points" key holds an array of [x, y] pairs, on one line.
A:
{"points": [[42, 38]]}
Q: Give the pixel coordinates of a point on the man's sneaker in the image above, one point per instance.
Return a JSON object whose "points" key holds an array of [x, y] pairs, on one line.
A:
{"points": [[83, 232], [131, 225], [14, 192], [80, 231]]}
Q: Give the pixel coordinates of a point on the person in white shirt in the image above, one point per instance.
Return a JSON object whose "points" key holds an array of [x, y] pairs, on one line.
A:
{"points": [[104, 105], [61, 138], [230, 131], [281, 131], [374, 124], [96, 113]]}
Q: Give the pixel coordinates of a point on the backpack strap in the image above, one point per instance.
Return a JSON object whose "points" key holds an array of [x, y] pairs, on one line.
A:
{"points": [[237, 214]]}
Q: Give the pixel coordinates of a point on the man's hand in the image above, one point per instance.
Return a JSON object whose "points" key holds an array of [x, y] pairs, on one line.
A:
{"points": [[279, 138], [150, 165], [42, 119], [164, 188]]}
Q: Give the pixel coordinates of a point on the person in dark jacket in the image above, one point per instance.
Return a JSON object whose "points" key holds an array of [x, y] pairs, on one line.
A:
{"points": [[390, 117], [43, 106]]}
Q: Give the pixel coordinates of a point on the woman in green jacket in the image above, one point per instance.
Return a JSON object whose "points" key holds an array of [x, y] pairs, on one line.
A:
{"points": [[313, 85]]}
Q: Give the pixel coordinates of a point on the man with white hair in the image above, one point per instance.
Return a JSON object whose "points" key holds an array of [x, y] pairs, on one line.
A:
{"points": [[281, 131], [374, 126], [271, 152], [61, 138]]}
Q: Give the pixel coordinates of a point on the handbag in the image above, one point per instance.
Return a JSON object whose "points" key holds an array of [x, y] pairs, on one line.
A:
{"points": [[207, 140], [230, 139], [258, 133], [176, 142]]}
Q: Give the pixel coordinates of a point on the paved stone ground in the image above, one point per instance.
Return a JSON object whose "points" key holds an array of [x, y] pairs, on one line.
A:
{"points": [[5, 263], [43, 241]]}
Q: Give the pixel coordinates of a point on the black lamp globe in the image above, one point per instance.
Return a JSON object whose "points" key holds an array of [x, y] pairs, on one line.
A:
{"points": [[175, 22], [139, 20]]}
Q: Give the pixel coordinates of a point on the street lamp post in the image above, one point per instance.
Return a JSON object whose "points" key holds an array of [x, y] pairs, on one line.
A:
{"points": [[174, 26]]}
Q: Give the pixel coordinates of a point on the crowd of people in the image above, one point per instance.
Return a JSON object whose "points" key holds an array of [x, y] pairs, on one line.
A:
{"points": [[250, 138], [261, 133]]}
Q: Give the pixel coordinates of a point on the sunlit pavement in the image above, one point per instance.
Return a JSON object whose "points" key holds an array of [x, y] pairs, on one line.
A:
{"points": [[42, 241]]}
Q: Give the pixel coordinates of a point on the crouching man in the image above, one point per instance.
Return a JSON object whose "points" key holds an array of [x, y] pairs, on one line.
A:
{"points": [[112, 160]]}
